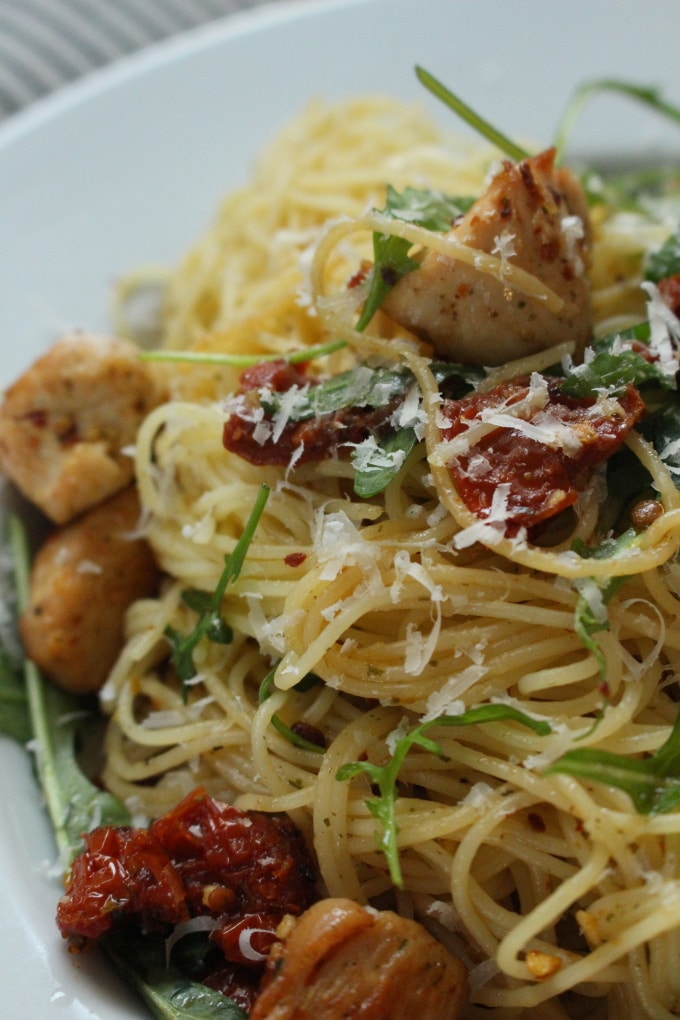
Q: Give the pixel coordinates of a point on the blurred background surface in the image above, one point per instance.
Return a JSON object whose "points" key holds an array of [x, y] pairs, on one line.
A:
{"points": [[46, 43]]}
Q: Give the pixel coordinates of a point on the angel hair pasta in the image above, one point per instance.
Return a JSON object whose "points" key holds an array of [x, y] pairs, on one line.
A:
{"points": [[454, 642]]}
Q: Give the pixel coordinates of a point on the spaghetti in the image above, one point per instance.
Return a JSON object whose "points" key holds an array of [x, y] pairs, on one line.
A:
{"points": [[378, 614]]}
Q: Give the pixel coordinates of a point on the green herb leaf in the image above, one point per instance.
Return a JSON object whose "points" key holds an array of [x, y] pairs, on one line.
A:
{"points": [[613, 369], [267, 689], [14, 719], [391, 259], [211, 625], [662, 429], [647, 95], [14, 716], [243, 360], [358, 387], [666, 261], [613, 373], [375, 472], [590, 615], [653, 783], [475, 121], [73, 802], [385, 777], [653, 191], [166, 991]]}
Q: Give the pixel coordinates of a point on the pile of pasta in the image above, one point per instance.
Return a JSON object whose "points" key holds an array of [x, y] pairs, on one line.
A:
{"points": [[563, 899]]}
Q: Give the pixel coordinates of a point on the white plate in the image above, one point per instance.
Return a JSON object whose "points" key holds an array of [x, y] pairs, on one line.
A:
{"points": [[127, 167]]}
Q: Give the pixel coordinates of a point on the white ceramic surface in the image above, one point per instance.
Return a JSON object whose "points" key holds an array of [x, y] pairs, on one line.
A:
{"points": [[126, 168]]}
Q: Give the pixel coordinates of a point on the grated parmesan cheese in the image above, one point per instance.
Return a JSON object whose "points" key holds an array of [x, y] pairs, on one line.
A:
{"points": [[448, 699], [664, 331], [504, 247], [338, 543]]}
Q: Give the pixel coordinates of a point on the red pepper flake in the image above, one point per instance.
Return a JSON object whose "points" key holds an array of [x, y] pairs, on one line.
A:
{"points": [[536, 822], [295, 559]]}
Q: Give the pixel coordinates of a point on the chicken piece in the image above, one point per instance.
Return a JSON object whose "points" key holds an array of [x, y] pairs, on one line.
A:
{"points": [[65, 423], [83, 579], [341, 960], [534, 217]]}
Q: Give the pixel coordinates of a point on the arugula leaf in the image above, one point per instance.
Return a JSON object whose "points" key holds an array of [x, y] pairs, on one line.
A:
{"points": [[476, 122], [612, 368], [385, 777], [14, 718], [211, 625], [73, 802], [589, 617], [374, 473], [647, 95], [222, 358], [391, 258], [267, 689], [653, 783], [167, 991], [361, 386], [654, 191], [364, 386], [666, 261], [613, 373], [662, 429]]}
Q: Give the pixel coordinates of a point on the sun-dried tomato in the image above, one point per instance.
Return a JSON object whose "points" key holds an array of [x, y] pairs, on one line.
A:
{"points": [[541, 478], [202, 858], [306, 442]]}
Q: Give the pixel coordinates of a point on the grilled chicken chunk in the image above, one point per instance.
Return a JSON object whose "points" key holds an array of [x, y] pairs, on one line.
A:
{"points": [[83, 579], [533, 216], [65, 423], [343, 960]]}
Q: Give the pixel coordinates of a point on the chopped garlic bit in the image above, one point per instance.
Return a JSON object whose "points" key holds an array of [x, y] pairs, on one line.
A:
{"points": [[542, 965]]}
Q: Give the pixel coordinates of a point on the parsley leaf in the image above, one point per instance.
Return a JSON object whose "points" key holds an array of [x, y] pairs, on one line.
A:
{"points": [[211, 624], [385, 777]]}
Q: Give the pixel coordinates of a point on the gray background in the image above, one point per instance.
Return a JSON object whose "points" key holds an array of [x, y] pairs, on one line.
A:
{"points": [[47, 43]]}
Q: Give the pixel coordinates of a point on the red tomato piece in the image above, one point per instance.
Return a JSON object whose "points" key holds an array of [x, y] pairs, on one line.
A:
{"points": [[542, 478], [202, 858]]}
